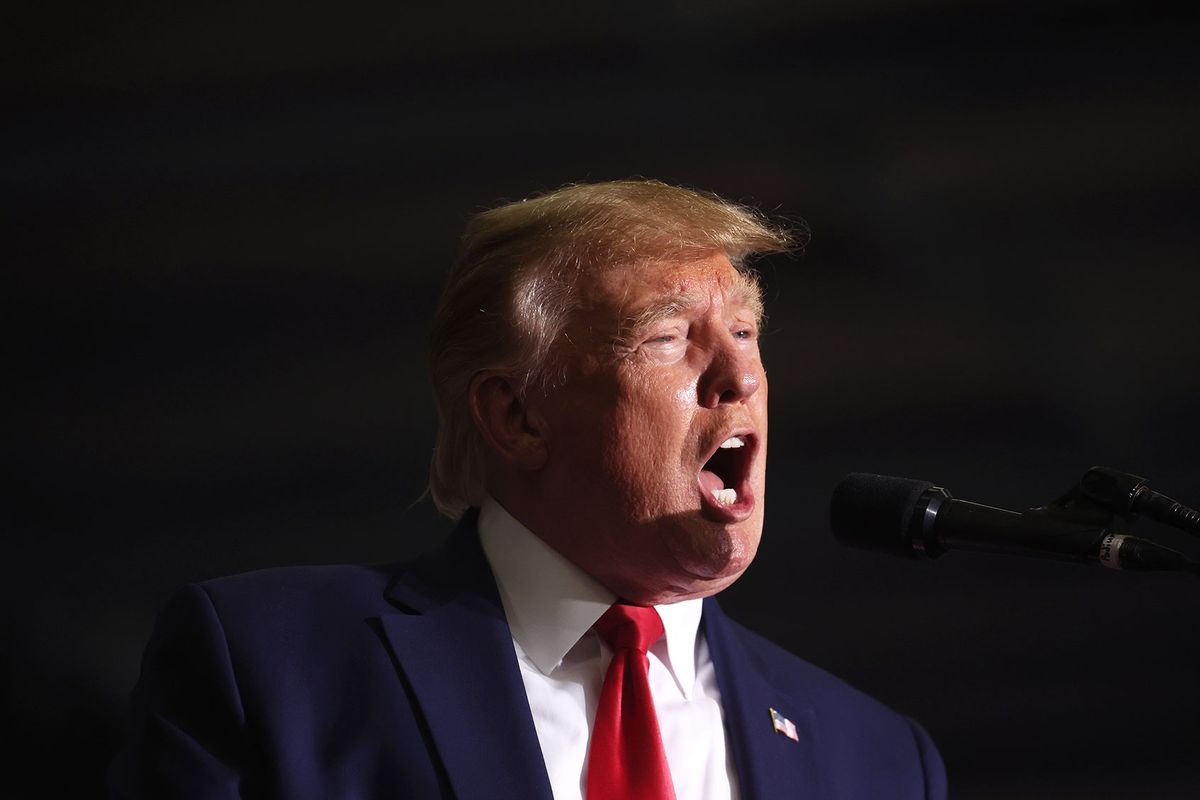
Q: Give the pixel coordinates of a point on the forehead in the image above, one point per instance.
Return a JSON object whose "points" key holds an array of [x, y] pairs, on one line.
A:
{"points": [[628, 291]]}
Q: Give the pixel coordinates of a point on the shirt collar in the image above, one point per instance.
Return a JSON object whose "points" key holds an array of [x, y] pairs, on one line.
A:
{"points": [[551, 603]]}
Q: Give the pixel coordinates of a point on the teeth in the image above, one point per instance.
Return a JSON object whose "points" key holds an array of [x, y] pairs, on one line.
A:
{"points": [[733, 441], [725, 497]]}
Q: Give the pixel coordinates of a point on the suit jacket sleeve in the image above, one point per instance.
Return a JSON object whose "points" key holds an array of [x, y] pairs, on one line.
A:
{"points": [[931, 763], [187, 737]]}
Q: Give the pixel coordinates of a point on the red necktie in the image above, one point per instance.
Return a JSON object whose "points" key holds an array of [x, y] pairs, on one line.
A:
{"points": [[626, 760]]}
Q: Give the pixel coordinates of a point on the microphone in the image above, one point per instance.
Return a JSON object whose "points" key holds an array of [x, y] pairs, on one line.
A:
{"points": [[913, 518]]}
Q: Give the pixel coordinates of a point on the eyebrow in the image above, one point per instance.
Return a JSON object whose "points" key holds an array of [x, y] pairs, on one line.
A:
{"points": [[745, 292]]}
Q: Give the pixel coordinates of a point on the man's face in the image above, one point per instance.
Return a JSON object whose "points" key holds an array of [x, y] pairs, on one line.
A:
{"points": [[658, 436]]}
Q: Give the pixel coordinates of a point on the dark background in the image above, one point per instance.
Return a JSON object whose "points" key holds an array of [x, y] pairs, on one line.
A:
{"points": [[229, 225]]}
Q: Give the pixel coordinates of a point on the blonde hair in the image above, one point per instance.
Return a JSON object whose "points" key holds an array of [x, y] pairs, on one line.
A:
{"points": [[511, 291]]}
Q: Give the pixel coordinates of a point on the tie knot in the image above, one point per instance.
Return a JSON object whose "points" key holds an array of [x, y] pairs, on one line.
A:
{"points": [[630, 627]]}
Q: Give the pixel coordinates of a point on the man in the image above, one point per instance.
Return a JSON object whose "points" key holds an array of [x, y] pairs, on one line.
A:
{"points": [[602, 436]]}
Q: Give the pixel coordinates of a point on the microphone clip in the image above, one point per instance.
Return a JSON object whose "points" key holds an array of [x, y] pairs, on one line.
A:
{"points": [[1103, 490]]}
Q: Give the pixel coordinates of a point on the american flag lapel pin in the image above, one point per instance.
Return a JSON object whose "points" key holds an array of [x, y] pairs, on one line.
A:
{"points": [[783, 725]]}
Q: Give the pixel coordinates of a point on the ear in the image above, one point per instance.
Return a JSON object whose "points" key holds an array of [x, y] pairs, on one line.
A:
{"points": [[514, 433]]}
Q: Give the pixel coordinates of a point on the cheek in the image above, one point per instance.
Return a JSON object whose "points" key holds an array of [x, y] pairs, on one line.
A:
{"points": [[642, 449], [648, 455]]}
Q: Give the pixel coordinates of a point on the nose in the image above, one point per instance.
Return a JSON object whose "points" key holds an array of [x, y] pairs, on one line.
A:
{"points": [[733, 375]]}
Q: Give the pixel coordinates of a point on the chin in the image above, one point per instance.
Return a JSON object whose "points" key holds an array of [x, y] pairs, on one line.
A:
{"points": [[717, 555]]}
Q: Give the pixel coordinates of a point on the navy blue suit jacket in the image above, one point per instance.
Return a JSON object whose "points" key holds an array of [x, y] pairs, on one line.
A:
{"points": [[402, 682]]}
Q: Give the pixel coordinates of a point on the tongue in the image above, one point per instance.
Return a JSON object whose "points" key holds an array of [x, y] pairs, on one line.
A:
{"points": [[710, 481]]}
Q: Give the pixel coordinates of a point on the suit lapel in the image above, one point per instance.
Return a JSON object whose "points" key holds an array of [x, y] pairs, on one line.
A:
{"points": [[768, 763], [456, 653]]}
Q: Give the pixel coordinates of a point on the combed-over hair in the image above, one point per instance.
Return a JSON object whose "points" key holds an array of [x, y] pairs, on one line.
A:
{"points": [[509, 295]]}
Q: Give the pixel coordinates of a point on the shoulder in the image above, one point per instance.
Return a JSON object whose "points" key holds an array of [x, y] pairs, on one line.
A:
{"points": [[281, 609], [269, 616], [266, 638], [852, 727], [782, 668], [282, 588], [282, 604], [787, 671]]}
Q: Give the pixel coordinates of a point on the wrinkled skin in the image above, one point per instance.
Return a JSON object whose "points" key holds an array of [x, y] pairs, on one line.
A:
{"points": [[642, 408]]}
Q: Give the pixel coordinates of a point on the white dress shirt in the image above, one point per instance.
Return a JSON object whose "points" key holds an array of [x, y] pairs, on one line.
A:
{"points": [[551, 605]]}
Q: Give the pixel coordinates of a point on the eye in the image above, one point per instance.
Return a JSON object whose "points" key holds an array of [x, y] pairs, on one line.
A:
{"points": [[745, 333], [664, 335]]}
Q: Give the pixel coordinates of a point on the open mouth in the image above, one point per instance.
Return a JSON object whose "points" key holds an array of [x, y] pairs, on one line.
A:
{"points": [[724, 477]]}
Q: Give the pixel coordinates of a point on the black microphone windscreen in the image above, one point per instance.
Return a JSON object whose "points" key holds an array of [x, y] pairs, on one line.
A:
{"points": [[874, 511]]}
